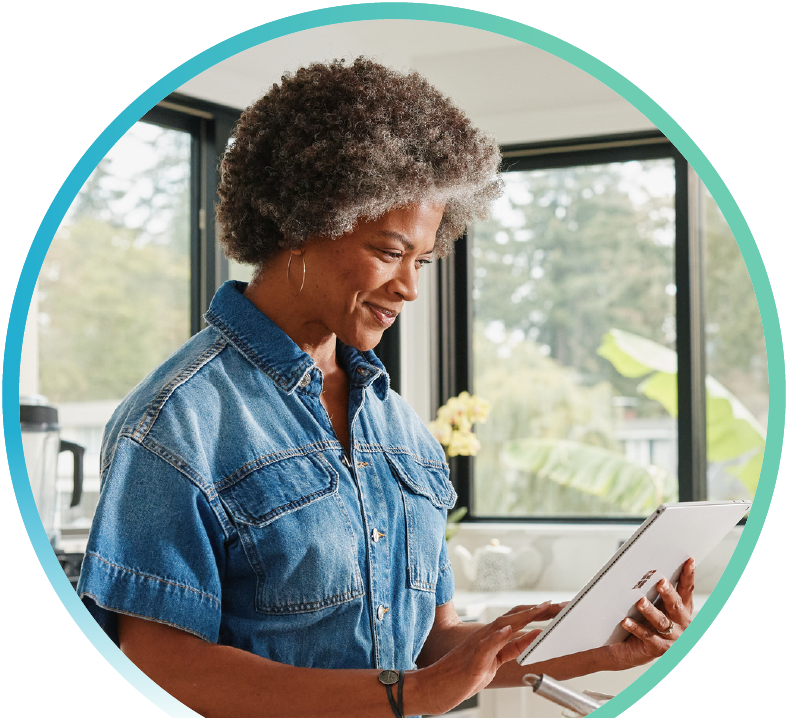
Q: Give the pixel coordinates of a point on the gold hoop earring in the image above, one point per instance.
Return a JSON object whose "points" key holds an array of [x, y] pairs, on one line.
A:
{"points": [[303, 273]]}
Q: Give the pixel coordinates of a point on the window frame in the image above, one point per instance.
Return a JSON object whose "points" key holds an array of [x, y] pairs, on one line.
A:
{"points": [[452, 341], [210, 126]]}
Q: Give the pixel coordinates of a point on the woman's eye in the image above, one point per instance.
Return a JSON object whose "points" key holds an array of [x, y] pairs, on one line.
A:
{"points": [[421, 262]]}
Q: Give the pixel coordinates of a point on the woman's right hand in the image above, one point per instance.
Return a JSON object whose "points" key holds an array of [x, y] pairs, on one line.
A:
{"points": [[472, 664]]}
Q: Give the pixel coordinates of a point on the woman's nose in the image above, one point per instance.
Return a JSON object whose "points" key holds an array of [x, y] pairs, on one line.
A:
{"points": [[406, 283]]}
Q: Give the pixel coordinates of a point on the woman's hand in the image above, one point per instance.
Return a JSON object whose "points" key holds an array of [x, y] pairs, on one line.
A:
{"points": [[650, 639], [472, 664]]}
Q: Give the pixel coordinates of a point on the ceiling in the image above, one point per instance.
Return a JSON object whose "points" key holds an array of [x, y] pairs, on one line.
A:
{"points": [[516, 91]]}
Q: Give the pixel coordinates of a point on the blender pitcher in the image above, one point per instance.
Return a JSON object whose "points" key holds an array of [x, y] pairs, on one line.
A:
{"points": [[42, 444]]}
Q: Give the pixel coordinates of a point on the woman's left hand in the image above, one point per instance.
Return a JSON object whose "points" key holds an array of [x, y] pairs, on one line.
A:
{"points": [[649, 640]]}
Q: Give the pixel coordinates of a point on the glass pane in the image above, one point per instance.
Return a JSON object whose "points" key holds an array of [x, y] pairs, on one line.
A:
{"points": [[114, 291], [737, 404], [574, 342]]}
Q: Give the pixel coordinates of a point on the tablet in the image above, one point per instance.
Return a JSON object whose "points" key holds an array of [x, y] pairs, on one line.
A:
{"points": [[658, 549]]}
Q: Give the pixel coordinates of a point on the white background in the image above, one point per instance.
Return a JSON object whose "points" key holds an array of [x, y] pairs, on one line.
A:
{"points": [[71, 68]]}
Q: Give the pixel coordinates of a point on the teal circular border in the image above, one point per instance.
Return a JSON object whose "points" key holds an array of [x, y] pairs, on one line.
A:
{"points": [[394, 11]]}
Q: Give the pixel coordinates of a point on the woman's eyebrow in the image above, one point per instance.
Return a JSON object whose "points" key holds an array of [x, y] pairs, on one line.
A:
{"points": [[391, 234]]}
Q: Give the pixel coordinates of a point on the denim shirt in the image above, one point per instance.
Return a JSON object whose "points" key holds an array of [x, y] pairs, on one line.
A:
{"points": [[230, 510]]}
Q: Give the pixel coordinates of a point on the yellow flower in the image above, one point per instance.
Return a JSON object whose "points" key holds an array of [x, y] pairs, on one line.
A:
{"points": [[463, 443], [441, 431], [454, 423]]}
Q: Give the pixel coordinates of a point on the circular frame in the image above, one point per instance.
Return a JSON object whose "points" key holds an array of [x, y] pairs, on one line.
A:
{"points": [[390, 11]]}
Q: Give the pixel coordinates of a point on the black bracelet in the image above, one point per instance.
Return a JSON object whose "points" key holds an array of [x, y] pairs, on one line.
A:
{"points": [[389, 678]]}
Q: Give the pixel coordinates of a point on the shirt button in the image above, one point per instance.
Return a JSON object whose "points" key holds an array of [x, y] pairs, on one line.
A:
{"points": [[306, 380], [382, 611], [376, 535]]}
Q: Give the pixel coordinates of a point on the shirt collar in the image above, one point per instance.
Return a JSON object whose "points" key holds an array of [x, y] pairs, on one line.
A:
{"points": [[272, 351]]}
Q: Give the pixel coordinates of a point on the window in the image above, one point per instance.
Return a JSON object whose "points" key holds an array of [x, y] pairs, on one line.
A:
{"points": [[128, 277], [585, 309]]}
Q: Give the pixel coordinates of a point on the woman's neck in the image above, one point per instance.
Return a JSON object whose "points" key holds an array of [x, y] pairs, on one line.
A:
{"points": [[270, 293]]}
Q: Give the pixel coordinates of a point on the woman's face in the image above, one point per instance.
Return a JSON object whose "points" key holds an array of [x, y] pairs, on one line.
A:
{"points": [[357, 284]]}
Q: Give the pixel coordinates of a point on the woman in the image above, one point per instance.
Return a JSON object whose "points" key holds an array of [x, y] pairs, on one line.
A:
{"points": [[270, 509]]}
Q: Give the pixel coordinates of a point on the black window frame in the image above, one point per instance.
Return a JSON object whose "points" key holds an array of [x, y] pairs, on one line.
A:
{"points": [[210, 126], [454, 372]]}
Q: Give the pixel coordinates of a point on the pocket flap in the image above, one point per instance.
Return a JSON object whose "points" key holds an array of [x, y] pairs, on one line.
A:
{"points": [[279, 488], [424, 477]]}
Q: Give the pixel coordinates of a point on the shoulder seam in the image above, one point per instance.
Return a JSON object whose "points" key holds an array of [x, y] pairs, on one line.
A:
{"points": [[148, 420], [207, 489]]}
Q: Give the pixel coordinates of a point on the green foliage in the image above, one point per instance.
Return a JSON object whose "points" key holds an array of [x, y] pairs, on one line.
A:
{"points": [[735, 345], [732, 432], [606, 475], [571, 252], [453, 521], [533, 396], [114, 287]]}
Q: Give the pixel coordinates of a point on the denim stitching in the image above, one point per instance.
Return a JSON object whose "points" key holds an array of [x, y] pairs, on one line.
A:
{"points": [[183, 376], [313, 605], [401, 450], [139, 615], [242, 516], [208, 490], [274, 457], [154, 578], [252, 356]]}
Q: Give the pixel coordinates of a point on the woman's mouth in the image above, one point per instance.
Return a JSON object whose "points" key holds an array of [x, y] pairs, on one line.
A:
{"points": [[384, 316]]}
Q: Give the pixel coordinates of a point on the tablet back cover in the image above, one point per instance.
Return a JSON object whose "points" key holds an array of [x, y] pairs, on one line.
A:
{"points": [[658, 549]]}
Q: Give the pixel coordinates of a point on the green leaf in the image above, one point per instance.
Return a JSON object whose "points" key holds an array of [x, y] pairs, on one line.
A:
{"points": [[731, 430], [663, 388], [592, 470], [453, 521], [751, 472], [634, 356]]}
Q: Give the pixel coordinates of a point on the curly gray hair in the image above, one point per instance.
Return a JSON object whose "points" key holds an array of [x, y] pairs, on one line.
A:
{"points": [[335, 144]]}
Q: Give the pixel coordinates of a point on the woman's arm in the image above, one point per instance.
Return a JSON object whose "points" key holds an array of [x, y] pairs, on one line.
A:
{"points": [[216, 680]]}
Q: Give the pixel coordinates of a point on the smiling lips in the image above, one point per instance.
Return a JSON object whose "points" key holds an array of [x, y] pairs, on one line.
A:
{"points": [[385, 316]]}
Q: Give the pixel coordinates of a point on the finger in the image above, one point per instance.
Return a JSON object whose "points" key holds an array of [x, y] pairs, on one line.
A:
{"points": [[491, 645], [655, 617], [686, 585], [517, 609], [520, 619], [640, 631], [514, 648], [672, 602]]}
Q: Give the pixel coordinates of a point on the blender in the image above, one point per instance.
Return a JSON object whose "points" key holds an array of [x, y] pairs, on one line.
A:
{"points": [[42, 445]]}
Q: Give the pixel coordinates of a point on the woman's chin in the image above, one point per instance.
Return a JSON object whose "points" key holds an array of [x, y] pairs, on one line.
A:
{"points": [[363, 341]]}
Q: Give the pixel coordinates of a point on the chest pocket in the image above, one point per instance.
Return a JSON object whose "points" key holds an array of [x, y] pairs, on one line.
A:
{"points": [[297, 535], [427, 495]]}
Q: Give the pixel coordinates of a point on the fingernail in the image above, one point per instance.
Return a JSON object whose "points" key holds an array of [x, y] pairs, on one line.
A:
{"points": [[642, 603], [545, 604], [662, 584], [563, 604], [629, 623]]}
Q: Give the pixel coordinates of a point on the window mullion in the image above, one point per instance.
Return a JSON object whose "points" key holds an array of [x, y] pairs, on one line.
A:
{"points": [[690, 335]]}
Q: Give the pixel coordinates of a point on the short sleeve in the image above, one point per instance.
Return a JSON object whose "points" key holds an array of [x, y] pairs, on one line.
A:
{"points": [[444, 591], [155, 548]]}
